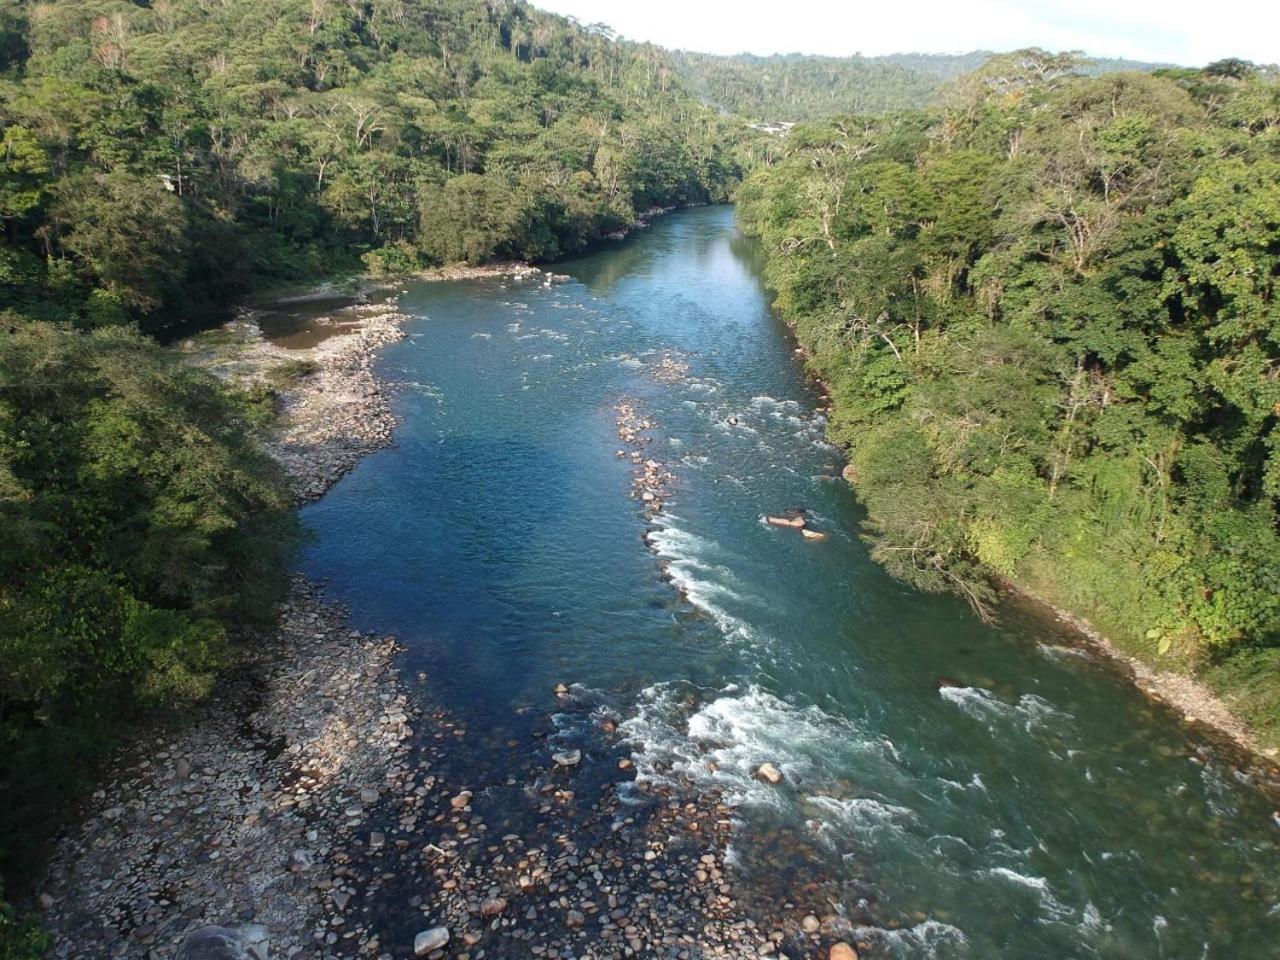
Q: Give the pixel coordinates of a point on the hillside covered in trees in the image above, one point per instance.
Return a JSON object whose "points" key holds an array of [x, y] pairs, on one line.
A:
{"points": [[796, 87], [158, 156], [1047, 314]]}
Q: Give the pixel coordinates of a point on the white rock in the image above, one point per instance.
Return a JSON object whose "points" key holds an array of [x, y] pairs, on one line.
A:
{"points": [[568, 758], [430, 940]]}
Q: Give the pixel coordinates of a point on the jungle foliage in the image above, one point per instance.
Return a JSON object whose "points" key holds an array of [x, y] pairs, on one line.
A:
{"points": [[1047, 314], [156, 157], [142, 527], [797, 87]]}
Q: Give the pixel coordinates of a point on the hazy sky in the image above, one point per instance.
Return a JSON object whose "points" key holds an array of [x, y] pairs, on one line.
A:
{"points": [[1191, 32]]}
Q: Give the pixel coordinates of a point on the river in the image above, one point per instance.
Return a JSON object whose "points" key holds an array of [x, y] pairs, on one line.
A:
{"points": [[1038, 808]]}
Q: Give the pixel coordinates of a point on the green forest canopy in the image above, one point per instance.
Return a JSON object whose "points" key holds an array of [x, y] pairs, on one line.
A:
{"points": [[794, 87], [157, 156], [1047, 313]]}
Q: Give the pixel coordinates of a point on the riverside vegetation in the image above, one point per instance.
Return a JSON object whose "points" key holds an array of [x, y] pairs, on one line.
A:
{"points": [[1047, 314]]}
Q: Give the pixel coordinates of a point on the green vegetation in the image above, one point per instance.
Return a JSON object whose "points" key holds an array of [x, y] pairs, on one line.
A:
{"points": [[141, 527], [160, 156], [1047, 313], [20, 937], [796, 87]]}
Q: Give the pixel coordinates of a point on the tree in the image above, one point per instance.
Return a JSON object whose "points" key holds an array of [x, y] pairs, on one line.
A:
{"points": [[128, 231]]}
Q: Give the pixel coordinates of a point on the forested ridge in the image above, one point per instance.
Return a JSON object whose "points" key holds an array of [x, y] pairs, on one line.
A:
{"points": [[1047, 314], [157, 161], [796, 87]]}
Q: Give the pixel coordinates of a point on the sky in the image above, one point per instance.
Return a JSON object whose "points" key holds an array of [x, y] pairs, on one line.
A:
{"points": [[1189, 32]]}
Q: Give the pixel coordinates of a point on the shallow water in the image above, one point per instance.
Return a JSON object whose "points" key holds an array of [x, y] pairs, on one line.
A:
{"points": [[304, 322], [1042, 808]]}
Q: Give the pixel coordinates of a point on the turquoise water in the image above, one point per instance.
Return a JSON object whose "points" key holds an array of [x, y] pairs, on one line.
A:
{"points": [[1039, 809]]}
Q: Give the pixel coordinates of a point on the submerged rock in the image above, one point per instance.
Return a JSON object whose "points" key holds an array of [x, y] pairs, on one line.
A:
{"points": [[249, 942], [842, 951]]}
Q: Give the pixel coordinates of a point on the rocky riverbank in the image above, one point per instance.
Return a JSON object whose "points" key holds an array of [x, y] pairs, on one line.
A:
{"points": [[1198, 705], [342, 412], [321, 806], [249, 814]]}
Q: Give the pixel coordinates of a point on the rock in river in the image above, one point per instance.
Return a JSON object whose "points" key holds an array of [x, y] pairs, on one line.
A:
{"points": [[769, 773], [842, 951], [567, 758], [430, 940], [249, 942]]}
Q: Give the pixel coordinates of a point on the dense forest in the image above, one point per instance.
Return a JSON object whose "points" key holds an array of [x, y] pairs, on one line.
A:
{"points": [[157, 156], [157, 160], [796, 87], [1047, 314]]}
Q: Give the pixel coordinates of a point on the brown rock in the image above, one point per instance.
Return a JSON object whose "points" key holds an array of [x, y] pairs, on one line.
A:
{"points": [[769, 773]]}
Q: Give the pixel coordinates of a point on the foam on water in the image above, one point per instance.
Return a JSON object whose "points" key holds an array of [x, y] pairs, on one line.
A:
{"points": [[860, 816], [1031, 712], [690, 562], [1053, 908], [720, 741], [928, 940]]}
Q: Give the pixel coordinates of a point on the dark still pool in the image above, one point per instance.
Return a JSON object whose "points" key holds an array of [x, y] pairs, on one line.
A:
{"points": [[1033, 805]]}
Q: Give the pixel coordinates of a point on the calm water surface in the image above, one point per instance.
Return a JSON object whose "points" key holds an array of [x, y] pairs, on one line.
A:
{"points": [[1041, 809]]}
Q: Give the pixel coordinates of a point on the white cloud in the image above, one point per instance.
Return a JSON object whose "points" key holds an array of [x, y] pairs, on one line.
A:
{"points": [[1192, 32]]}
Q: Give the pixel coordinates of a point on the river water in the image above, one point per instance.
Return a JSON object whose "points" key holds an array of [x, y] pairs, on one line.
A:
{"points": [[1040, 808]]}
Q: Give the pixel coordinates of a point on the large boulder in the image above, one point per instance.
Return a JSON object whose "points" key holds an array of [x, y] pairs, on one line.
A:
{"points": [[249, 942]]}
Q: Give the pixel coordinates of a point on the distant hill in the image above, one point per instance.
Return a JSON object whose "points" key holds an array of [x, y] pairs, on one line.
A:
{"points": [[792, 87]]}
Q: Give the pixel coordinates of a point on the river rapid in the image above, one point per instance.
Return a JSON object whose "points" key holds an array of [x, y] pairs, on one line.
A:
{"points": [[1034, 806]]}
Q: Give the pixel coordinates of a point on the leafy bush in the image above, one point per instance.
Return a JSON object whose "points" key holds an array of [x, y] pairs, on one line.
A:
{"points": [[141, 525]]}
